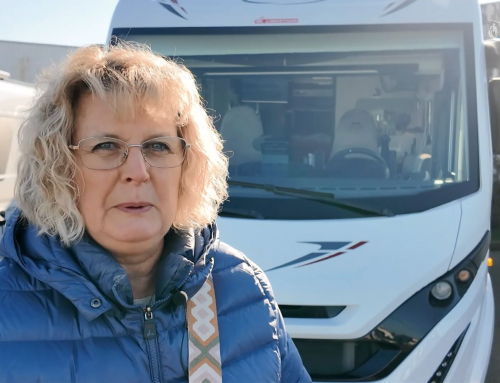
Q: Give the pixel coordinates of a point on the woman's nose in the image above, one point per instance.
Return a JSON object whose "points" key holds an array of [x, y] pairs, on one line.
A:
{"points": [[135, 169]]}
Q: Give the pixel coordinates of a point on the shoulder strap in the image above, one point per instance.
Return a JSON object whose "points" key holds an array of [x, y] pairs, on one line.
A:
{"points": [[203, 332]]}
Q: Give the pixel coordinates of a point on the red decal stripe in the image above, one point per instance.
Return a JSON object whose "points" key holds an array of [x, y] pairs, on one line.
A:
{"points": [[359, 244], [323, 259]]}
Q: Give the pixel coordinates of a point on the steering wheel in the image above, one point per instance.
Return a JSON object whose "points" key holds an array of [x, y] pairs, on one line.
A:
{"points": [[378, 169]]}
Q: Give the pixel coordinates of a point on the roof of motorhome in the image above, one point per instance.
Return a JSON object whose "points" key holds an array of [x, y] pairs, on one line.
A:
{"points": [[243, 13]]}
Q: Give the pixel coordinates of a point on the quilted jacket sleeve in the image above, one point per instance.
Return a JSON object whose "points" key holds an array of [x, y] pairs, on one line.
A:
{"points": [[292, 368]]}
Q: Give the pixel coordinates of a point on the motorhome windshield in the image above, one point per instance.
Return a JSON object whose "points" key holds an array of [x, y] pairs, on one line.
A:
{"points": [[384, 125]]}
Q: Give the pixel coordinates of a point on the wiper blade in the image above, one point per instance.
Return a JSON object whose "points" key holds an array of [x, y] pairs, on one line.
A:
{"points": [[326, 198], [242, 213]]}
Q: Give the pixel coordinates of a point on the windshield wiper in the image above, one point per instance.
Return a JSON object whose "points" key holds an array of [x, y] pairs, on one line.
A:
{"points": [[240, 213], [326, 198]]}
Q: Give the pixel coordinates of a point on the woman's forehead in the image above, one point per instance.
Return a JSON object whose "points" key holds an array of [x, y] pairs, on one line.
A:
{"points": [[97, 117]]}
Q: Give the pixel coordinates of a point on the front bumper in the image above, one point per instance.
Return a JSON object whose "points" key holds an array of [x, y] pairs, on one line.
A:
{"points": [[476, 311]]}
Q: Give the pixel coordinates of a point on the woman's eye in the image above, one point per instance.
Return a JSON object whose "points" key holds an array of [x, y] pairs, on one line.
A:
{"points": [[105, 146], [158, 147]]}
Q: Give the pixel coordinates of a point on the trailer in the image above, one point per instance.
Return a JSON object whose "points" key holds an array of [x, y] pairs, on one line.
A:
{"points": [[15, 99]]}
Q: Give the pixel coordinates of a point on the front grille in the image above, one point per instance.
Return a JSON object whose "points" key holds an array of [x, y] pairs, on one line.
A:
{"points": [[337, 360], [289, 311]]}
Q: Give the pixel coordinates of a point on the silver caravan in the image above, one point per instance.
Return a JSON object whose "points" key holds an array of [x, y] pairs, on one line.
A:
{"points": [[15, 99]]}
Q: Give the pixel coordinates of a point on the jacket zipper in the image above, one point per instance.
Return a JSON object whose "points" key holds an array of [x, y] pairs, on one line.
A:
{"points": [[152, 343], [149, 330]]}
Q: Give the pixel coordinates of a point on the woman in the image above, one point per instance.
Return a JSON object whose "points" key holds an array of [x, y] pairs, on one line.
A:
{"points": [[111, 262]]}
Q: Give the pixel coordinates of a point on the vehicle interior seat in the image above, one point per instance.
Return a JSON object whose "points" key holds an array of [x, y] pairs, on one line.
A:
{"points": [[240, 127], [356, 129], [355, 152]]}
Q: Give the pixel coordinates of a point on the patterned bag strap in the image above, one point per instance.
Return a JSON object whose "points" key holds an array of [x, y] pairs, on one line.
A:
{"points": [[203, 332]]}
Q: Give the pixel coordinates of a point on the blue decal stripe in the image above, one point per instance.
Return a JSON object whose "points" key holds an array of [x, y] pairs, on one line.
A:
{"points": [[171, 9], [325, 246], [404, 4], [301, 259], [329, 245], [388, 6]]}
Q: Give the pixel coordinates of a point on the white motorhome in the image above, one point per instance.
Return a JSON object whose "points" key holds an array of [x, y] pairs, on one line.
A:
{"points": [[361, 170], [15, 99]]}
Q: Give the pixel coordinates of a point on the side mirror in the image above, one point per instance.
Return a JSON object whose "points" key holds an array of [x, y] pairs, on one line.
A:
{"points": [[494, 96]]}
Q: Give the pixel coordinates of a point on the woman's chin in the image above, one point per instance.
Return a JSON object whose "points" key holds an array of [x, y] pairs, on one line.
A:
{"points": [[137, 233], [134, 227]]}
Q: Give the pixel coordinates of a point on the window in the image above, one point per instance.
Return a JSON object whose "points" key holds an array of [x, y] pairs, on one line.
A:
{"points": [[378, 118]]}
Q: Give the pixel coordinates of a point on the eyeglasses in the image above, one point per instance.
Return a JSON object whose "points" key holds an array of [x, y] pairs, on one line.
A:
{"points": [[104, 153]]}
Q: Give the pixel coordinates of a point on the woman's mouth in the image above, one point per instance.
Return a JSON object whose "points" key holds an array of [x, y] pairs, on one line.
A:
{"points": [[134, 207]]}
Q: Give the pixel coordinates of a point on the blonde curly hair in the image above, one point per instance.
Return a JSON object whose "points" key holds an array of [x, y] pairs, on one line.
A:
{"points": [[128, 76]]}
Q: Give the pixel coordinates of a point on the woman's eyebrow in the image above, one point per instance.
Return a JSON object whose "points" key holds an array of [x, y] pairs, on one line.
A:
{"points": [[109, 135], [163, 134], [148, 137]]}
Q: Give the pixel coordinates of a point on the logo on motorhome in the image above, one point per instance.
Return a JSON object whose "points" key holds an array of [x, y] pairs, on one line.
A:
{"points": [[263, 20], [327, 250], [174, 7]]}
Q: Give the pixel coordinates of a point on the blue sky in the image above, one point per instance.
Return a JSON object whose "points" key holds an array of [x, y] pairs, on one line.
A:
{"points": [[60, 22]]}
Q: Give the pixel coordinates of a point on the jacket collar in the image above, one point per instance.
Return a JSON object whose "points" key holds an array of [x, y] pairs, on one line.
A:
{"points": [[86, 271]]}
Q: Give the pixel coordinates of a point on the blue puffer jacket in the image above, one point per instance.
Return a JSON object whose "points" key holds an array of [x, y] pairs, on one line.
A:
{"points": [[67, 314]]}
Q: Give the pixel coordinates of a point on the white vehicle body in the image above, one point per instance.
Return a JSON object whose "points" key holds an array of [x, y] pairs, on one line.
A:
{"points": [[354, 287], [15, 99]]}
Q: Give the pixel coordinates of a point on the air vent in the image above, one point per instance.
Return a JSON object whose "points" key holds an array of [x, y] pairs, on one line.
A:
{"points": [[338, 360], [311, 311]]}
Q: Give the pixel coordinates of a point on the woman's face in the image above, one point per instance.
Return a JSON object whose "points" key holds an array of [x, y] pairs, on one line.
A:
{"points": [[128, 209]]}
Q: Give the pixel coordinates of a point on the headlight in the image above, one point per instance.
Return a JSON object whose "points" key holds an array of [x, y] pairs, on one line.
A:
{"points": [[413, 320], [442, 291]]}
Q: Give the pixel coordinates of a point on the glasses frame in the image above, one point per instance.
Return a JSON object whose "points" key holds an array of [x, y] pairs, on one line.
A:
{"points": [[186, 146]]}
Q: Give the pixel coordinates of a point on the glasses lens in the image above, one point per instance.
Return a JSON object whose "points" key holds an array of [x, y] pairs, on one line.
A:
{"points": [[102, 153], [164, 152]]}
